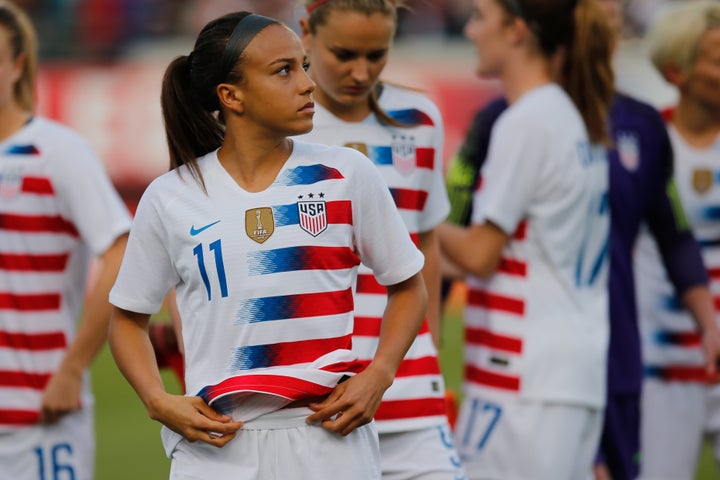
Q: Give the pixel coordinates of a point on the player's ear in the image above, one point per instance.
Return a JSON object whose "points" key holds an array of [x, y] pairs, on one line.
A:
{"points": [[230, 96], [674, 74], [305, 34]]}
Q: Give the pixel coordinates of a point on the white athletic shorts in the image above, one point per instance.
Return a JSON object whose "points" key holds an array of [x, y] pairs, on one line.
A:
{"points": [[65, 450], [281, 446], [424, 454], [522, 440], [672, 423]]}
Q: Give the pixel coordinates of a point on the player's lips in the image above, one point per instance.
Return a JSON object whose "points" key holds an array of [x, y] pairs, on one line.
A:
{"points": [[355, 90], [308, 108]]}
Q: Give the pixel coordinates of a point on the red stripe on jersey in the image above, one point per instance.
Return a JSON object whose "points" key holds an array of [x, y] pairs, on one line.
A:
{"points": [[35, 381], [37, 185], [30, 302], [479, 183], [714, 273], [492, 379], [686, 339], [486, 338], [367, 326], [285, 386], [366, 283], [37, 224], [322, 303], [521, 231], [492, 301], [339, 212], [406, 199], [415, 237], [19, 417], [716, 302], [33, 341], [330, 258], [418, 407], [370, 327], [411, 367], [511, 266], [425, 157], [684, 374], [33, 263]]}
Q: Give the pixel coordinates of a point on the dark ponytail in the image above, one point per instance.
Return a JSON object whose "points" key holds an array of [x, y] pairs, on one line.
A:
{"points": [[194, 122], [581, 33], [587, 73], [191, 129]]}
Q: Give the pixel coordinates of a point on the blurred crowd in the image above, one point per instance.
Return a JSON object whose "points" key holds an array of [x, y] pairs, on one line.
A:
{"points": [[103, 30]]}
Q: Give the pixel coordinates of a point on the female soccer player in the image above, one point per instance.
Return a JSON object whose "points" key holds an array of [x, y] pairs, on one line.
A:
{"points": [[58, 209], [536, 319], [261, 236], [348, 43], [678, 404]]}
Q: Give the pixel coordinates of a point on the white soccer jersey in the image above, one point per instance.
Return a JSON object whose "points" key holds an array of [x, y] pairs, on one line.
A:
{"points": [[671, 341], [538, 327], [410, 162], [57, 208], [264, 280]]}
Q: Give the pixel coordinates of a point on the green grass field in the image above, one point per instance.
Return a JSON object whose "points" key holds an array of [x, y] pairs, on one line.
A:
{"points": [[129, 442]]}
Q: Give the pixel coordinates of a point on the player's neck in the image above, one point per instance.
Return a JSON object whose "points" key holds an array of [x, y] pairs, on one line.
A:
{"points": [[517, 79], [12, 119], [698, 126], [254, 165]]}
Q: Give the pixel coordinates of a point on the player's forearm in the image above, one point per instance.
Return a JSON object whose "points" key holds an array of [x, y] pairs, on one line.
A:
{"points": [[92, 329], [431, 274], [133, 353], [699, 302], [406, 308], [476, 249]]}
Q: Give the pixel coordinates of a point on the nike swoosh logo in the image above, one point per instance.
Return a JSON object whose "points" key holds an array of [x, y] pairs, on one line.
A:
{"points": [[194, 231]]}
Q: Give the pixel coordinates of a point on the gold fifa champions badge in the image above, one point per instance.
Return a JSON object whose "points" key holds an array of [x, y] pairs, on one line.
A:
{"points": [[360, 147], [702, 180], [259, 223]]}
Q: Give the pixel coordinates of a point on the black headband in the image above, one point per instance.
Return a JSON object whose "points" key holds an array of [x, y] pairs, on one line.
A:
{"points": [[242, 35], [515, 8]]}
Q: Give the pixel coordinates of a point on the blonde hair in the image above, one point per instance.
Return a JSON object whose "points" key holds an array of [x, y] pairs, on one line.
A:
{"points": [[23, 42], [676, 32]]}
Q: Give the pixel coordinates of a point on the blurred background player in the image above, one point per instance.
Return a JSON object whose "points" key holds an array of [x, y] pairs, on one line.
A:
{"points": [[348, 43], [536, 321], [262, 240], [58, 210], [641, 190], [685, 48]]}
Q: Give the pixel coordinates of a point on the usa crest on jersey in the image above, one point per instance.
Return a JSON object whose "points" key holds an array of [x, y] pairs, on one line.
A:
{"points": [[628, 147], [313, 216], [403, 153], [10, 183]]}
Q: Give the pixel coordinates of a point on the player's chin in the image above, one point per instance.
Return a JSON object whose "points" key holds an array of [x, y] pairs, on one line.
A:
{"points": [[300, 127]]}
